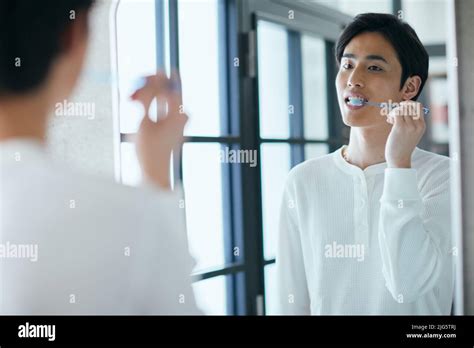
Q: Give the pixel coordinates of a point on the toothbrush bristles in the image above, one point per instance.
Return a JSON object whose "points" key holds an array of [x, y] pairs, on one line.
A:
{"points": [[356, 101]]}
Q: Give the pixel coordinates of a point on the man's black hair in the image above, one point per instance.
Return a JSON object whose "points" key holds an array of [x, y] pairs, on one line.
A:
{"points": [[410, 51], [30, 39]]}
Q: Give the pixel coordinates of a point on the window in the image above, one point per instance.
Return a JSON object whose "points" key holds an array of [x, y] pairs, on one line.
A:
{"points": [[136, 58], [294, 120], [210, 295], [202, 179], [414, 12], [313, 54], [273, 74], [199, 65], [276, 163]]}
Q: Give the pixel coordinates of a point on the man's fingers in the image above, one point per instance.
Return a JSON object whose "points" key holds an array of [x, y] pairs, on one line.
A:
{"points": [[167, 92], [155, 85], [409, 122], [413, 114], [394, 116], [152, 88], [146, 123], [398, 119]]}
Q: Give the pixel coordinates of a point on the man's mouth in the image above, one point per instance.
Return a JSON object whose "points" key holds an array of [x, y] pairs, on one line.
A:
{"points": [[355, 102]]}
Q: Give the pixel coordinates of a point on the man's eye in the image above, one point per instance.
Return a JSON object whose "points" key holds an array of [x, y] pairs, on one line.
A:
{"points": [[374, 68], [346, 66]]}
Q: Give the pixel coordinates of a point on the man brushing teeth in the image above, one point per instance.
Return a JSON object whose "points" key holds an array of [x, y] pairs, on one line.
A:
{"points": [[370, 69], [380, 195]]}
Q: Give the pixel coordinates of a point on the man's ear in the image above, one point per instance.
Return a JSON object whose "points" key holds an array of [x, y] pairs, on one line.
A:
{"points": [[411, 87]]}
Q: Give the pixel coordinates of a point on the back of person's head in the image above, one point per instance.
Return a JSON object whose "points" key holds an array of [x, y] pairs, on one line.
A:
{"points": [[411, 53], [31, 38]]}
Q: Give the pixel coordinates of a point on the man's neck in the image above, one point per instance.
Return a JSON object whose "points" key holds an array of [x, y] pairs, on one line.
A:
{"points": [[23, 118], [367, 146]]}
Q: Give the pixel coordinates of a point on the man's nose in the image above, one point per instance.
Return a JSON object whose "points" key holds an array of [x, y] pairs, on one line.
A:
{"points": [[355, 79]]}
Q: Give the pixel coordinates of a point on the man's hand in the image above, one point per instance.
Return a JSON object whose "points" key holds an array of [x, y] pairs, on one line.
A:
{"points": [[408, 128], [156, 140]]}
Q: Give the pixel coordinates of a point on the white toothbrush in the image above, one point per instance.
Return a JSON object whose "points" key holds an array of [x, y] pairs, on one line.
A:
{"points": [[356, 101]]}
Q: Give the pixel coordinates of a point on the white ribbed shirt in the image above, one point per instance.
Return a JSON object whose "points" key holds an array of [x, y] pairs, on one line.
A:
{"points": [[102, 248], [373, 241]]}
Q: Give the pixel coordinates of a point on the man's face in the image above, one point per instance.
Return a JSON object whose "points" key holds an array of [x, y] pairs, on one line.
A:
{"points": [[369, 69]]}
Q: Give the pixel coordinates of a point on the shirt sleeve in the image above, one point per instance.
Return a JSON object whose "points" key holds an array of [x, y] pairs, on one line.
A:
{"points": [[292, 288], [166, 260], [415, 234]]}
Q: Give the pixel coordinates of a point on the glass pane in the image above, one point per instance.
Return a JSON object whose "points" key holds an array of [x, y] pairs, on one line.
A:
{"points": [[270, 289], [275, 167], [211, 295], [166, 32], [415, 14], [273, 80], [313, 55], [204, 216], [315, 150], [354, 7], [136, 58], [199, 65], [130, 167]]}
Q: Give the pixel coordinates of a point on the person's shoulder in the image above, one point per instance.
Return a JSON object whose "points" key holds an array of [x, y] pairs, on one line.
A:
{"points": [[99, 186], [104, 192]]}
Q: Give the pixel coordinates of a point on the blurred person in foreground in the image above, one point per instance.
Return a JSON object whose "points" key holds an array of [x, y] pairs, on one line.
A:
{"points": [[100, 247]]}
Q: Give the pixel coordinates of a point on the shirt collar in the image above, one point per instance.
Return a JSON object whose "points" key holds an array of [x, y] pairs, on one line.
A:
{"points": [[22, 150], [354, 170]]}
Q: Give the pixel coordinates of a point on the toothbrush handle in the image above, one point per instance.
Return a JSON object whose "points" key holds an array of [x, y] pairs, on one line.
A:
{"points": [[426, 111]]}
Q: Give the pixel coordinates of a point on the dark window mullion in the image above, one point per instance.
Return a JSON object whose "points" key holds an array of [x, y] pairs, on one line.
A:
{"points": [[269, 262], [174, 34], [160, 34], [226, 107], [333, 141], [231, 52], [230, 269], [174, 66], [129, 137], [295, 88], [396, 6], [232, 197], [251, 202], [205, 139]]}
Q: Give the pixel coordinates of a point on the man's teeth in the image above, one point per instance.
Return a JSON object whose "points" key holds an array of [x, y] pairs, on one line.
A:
{"points": [[356, 101]]}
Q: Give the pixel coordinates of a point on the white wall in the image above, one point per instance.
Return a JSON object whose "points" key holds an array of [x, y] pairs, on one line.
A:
{"points": [[85, 141]]}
